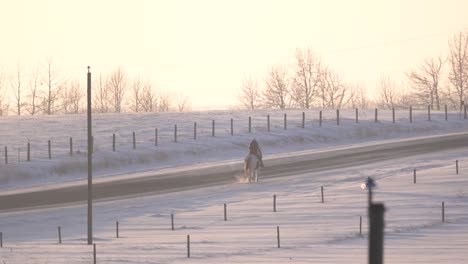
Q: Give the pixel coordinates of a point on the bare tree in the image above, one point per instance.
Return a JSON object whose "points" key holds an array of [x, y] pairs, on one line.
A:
{"points": [[183, 103], [136, 95], [358, 97], [164, 102], [50, 98], [4, 105], [117, 83], [307, 70], [458, 59], [149, 100], [101, 96], [333, 90], [73, 97], [250, 95], [15, 84], [426, 81], [390, 95], [276, 93], [32, 99]]}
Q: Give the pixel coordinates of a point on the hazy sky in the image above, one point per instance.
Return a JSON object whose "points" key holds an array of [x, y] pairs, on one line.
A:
{"points": [[205, 48]]}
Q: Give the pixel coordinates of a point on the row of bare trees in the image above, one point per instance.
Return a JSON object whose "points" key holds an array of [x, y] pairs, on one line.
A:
{"points": [[309, 83], [306, 84], [45, 91]]}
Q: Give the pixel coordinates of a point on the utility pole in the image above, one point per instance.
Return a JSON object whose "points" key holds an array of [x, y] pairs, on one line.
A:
{"points": [[90, 165]]}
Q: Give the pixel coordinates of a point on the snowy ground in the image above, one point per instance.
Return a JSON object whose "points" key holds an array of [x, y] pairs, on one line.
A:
{"points": [[310, 232]]}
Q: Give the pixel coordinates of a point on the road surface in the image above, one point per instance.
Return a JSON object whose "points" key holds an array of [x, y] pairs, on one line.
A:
{"points": [[190, 178]]}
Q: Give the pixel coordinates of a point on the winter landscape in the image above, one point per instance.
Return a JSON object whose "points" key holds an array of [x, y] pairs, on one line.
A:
{"points": [[310, 231]]}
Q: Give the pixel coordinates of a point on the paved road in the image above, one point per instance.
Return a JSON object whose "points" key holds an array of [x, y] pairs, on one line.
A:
{"points": [[225, 174]]}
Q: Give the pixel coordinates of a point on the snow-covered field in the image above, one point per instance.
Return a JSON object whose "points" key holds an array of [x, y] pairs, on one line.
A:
{"points": [[16, 132], [310, 231]]}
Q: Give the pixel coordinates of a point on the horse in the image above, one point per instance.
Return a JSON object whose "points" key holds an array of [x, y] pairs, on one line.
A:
{"points": [[251, 164]]}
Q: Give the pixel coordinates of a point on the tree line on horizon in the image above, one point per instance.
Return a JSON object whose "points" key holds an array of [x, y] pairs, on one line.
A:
{"points": [[45, 92], [308, 82]]}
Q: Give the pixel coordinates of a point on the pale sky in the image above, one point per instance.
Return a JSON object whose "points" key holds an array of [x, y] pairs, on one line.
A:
{"points": [[205, 48]]}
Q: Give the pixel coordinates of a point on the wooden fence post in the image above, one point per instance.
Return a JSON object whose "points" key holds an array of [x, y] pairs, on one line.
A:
{"points": [[278, 236], [60, 234], [188, 246], [113, 142], [320, 118], [172, 221], [49, 149], [443, 212], [464, 109], [268, 123], [357, 116], [274, 202], [29, 152], [428, 112], [225, 212], [195, 131], [376, 117], [94, 253], [250, 124], [6, 155], [360, 225], [134, 140], [156, 136], [321, 190], [411, 114], [337, 117], [285, 122], [232, 127], [213, 128], [175, 133], [303, 119]]}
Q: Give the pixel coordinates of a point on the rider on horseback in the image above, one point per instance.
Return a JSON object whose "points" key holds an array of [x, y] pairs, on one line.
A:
{"points": [[255, 150]]}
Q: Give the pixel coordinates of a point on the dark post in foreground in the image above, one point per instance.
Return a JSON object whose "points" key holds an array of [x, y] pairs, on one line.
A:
{"points": [[376, 225], [90, 165]]}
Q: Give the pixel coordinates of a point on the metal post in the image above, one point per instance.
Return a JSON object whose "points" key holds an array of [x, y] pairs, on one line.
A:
{"points": [[49, 149], [360, 225], [117, 229], [60, 234], [175, 133], [456, 165], [188, 246], [94, 253], [250, 124], [6, 155], [393, 115], [90, 167], [29, 152], [376, 118], [357, 116], [172, 221], [274, 202], [414, 176], [278, 236], [443, 212], [134, 140]]}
